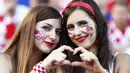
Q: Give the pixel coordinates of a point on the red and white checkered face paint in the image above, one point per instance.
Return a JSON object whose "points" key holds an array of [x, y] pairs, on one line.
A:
{"points": [[89, 30], [71, 35], [39, 34]]}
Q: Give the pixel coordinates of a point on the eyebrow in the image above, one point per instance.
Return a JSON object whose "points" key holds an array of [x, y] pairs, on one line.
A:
{"points": [[49, 25], [82, 22]]}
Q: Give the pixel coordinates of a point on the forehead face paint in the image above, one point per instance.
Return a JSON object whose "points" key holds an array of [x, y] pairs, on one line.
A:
{"points": [[39, 34], [71, 35], [89, 30]]}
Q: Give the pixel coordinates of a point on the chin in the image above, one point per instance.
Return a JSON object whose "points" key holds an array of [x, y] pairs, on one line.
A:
{"points": [[85, 45], [45, 50]]}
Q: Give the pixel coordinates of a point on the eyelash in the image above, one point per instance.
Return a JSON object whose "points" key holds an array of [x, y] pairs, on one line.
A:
{"points": [[58, 32], [82, 25], [46, 28], [70, 27]]}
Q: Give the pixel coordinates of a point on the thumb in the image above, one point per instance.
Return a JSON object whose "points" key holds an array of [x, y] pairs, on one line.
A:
{"points": [[66, 62]]}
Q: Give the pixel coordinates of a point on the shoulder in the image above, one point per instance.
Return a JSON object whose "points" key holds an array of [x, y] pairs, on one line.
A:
{"points": [[122, 62], [122, 57], [5, 63]]}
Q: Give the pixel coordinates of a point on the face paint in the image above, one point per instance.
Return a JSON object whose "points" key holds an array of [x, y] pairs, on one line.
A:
{"points": [[39, 34], [89, 30], [70, 34]]}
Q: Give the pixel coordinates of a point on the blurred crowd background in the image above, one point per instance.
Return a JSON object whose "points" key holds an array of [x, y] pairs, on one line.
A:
{"points": [[115, 12]]}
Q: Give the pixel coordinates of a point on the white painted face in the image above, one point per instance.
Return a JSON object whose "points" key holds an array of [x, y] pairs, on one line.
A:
{"points": [[47, 34], [81, 28]]}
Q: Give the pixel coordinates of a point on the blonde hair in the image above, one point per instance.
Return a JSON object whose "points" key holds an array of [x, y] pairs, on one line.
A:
{"points": [[21, 45]]}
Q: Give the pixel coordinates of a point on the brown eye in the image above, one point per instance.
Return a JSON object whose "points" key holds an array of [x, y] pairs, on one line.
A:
{"points": [[58, 31], [70, 27], [82, 23], [46, 28]]}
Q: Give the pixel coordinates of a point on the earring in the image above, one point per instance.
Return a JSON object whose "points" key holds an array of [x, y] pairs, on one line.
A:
{"points": [[96, 42]]}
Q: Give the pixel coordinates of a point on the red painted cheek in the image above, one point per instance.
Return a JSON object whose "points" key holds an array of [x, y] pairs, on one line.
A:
{"points": [[39, 34], [90, 31], [70, 34]]}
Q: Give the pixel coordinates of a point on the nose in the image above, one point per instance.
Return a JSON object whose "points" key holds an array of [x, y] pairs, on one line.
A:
{"points": [[52, 35], [77, 31]]}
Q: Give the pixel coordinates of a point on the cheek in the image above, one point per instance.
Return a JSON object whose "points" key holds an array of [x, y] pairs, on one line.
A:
{"points": [[39, 34], [89, 30], [71, 34], [57, 40]]}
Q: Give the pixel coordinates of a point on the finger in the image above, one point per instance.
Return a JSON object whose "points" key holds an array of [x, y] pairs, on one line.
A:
{"points": [[80, 49], [76, 63], [66, 62], [57, 62], [64, 47], [87, 56]]}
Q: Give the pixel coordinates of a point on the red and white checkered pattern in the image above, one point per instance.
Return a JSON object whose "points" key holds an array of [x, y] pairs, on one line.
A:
{"points": [[7, 29], [38, 68], [118, 39], [39, 34]]}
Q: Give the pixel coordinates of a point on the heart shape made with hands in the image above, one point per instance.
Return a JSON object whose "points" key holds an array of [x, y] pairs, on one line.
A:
{"points": [[73, 57]]}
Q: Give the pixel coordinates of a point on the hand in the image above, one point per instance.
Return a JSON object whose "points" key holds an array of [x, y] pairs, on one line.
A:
{"points": [[57, 58], [89, 61]]}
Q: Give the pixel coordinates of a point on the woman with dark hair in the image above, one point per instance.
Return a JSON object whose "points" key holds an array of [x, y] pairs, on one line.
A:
{"points": [[86, 31], [37, 36]]}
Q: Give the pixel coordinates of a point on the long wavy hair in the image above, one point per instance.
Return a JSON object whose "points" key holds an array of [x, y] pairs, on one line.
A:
{"points": [[22, 43], [103, 53]]}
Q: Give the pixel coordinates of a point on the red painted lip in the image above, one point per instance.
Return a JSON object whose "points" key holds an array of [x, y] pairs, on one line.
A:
{"points": [[49, 43], [81, 39]]}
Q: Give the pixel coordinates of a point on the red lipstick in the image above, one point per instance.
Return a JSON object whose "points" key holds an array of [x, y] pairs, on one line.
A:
{"points": [[81, 39], [49, 43]]}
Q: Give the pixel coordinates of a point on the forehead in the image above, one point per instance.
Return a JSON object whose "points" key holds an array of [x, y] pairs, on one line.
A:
{"points": [[56, 23], [77, 16]]}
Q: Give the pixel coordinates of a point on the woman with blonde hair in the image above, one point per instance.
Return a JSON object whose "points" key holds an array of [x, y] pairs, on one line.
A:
{"points": [[36, 38]]}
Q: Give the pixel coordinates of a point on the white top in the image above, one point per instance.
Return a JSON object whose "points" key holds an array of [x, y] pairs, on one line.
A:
{"points": [[111, 65]]}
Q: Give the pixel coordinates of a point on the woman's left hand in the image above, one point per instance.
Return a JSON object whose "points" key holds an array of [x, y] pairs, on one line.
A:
{"points": [[90, 61]]}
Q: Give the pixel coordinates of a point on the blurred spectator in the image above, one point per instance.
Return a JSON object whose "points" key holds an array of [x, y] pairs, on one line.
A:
{"points": [[59, 4], [103, 6], [7, 29], [15, 11], [2, 10], [119, 28], [9, 20], [33, 3]]}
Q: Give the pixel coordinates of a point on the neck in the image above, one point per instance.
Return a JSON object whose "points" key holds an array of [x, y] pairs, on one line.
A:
{"points": [[93, 49]]}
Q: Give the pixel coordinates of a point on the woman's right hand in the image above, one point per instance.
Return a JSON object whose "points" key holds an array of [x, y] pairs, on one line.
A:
{"points": [[57, 58]]}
